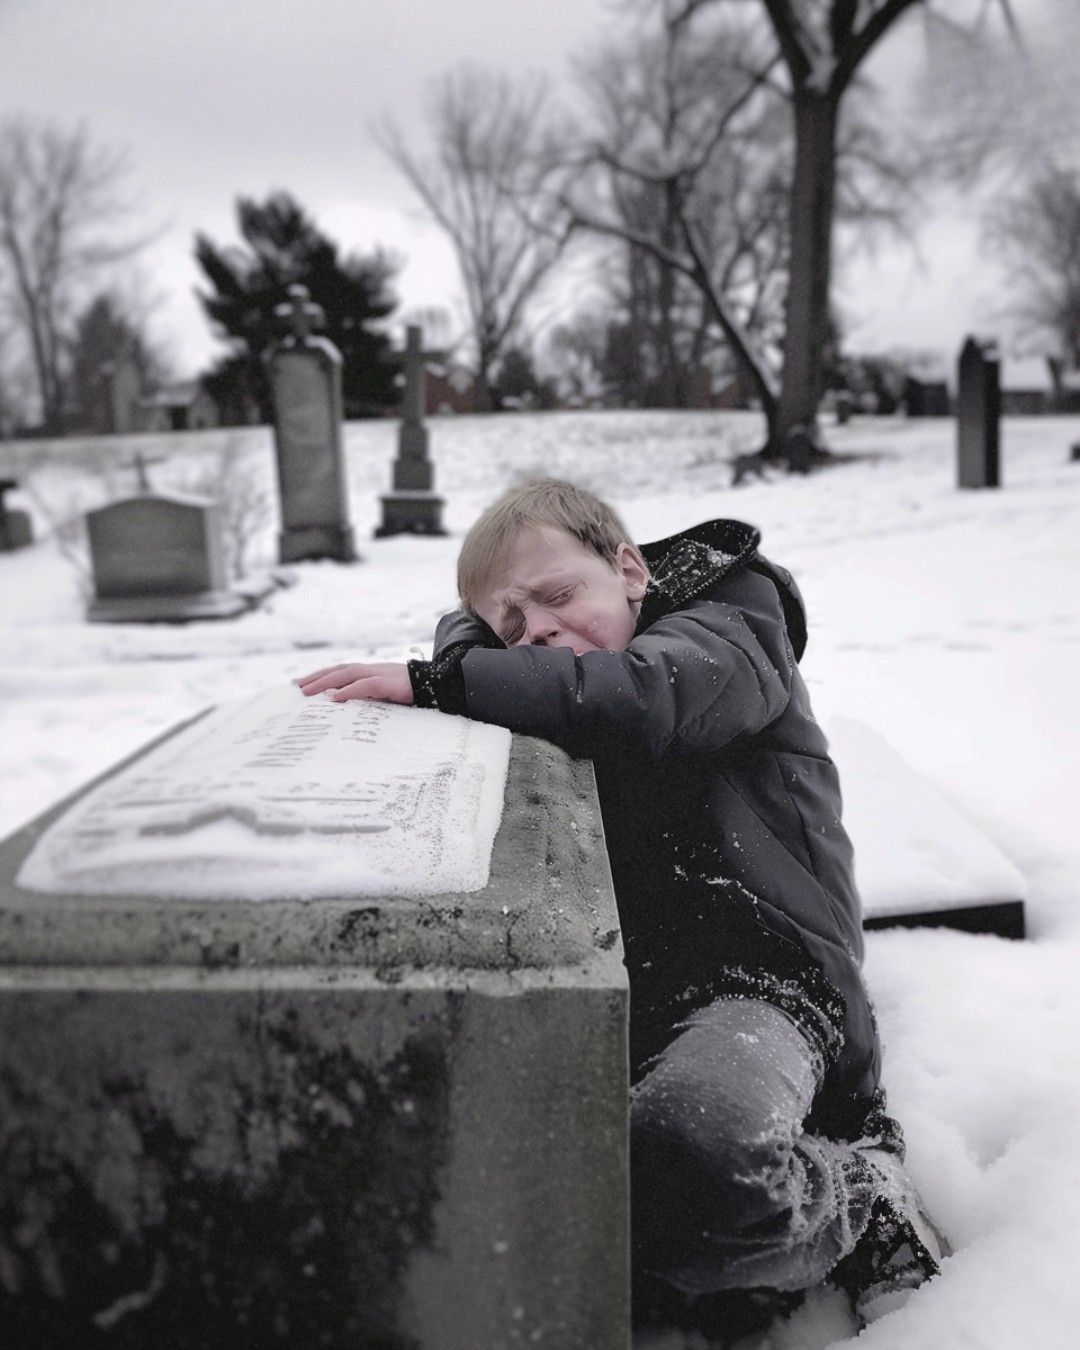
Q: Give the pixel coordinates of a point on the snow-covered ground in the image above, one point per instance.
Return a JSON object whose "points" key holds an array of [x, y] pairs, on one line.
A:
{"points": [[948, 621]]}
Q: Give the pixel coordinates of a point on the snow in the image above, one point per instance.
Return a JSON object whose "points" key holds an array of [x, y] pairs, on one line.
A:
{"points": [[260, 801], [947, 622]]}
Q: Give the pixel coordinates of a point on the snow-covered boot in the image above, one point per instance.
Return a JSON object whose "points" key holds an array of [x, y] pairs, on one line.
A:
{"points": [[900, 1249]]}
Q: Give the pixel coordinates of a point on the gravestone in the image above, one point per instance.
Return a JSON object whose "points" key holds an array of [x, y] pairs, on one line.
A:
{"points": [[158, 558], [313, 1032], [919, 862], [412, 507], [978, 415], [15, 529], [305, 378]]}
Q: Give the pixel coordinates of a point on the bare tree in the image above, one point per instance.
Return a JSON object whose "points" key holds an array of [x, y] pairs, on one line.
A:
{"points": [[692, 150], [59, 206], [1037, 233], [824, 45], [482, 181]]}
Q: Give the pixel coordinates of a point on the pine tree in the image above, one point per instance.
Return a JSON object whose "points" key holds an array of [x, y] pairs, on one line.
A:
{"points": [[282, 247]]}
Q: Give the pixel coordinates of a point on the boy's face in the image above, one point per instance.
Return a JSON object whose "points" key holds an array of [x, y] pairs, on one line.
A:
{"points": [[551, 591]]}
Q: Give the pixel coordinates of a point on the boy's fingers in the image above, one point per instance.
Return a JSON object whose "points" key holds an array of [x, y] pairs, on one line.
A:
{"points": [[315, 675], [389, 684], [329, 678]]}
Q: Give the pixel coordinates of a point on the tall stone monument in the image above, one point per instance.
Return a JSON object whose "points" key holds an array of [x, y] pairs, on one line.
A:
{"points": [[412, 507], [313, 1031], [305, 378], [978, 415]]}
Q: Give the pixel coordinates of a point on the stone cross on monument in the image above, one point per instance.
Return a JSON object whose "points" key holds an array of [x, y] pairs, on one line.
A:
{"points": [[305, 378], [302, 315], [412, 507]]}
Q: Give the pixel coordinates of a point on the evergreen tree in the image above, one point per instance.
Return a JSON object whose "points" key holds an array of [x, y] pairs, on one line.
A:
{"points": [[282, 247]]}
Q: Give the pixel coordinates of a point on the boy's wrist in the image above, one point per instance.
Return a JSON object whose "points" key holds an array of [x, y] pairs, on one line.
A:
{"points": [[440, 683]]}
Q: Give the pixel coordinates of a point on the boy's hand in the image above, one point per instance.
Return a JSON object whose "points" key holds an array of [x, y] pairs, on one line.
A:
{"points": [[386, 680]]}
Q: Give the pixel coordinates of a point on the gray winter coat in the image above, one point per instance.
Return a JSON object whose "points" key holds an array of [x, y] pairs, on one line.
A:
{"points": [[721, 806]]}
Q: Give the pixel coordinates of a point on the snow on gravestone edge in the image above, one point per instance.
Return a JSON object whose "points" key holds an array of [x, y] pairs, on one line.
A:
{"points": [[914, 851], [278, 796]]}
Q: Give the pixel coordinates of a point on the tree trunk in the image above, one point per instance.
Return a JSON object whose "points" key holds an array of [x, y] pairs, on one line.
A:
{"points": [[812, 198]]}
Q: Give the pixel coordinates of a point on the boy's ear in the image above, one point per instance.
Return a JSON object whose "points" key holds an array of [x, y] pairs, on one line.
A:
{"points": [[633, 569]]}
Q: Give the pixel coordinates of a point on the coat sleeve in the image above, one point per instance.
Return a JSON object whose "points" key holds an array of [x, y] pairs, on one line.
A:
{"points": [[694, 681]]}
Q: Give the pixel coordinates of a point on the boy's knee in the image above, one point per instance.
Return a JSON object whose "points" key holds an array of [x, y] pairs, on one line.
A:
{"points": [[711, 1165]]}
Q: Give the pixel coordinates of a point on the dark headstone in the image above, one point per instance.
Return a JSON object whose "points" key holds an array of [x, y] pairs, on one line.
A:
{"points": [[978, 415], [159, 559], [305, 376], [1074, 452], [925, 398], [15, 530], [412, 507]]}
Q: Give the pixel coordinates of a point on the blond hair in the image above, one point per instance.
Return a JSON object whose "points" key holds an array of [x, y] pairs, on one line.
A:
{"points": [[546, 501]]}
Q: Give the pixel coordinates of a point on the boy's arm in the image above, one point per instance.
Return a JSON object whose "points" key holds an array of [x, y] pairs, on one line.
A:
{"points": [[439, 683], [693, 681], [430, 684]]}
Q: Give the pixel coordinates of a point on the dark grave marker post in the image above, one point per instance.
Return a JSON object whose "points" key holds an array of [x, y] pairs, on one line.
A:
{"points": [[412, 507], [305, 378], [15, 530], [978, 415]]}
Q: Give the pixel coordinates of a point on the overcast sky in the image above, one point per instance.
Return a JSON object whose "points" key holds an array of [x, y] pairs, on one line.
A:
{"points": [[218, 98]]}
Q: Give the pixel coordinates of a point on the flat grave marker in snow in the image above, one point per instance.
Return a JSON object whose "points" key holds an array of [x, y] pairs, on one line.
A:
{"points": [[302, 996], [919, 862]]}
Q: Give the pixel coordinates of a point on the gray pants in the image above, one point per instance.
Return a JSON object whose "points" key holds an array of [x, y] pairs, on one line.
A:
{"points": [[728, 1191]]}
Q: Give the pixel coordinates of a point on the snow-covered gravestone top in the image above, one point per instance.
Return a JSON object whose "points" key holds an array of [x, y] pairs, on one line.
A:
{"points": [[280, 797]]}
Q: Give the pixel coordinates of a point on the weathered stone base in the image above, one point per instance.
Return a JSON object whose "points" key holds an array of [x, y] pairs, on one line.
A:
{"points": [[168, 608], [365, 1122], [303, 543], [411, 513], [205, 1159]]}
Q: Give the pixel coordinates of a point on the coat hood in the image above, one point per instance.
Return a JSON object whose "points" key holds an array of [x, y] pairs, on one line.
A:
{"points": [[687, 565]]}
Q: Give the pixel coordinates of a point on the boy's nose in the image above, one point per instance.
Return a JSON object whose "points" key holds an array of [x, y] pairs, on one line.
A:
{"points": [[540, 628]]}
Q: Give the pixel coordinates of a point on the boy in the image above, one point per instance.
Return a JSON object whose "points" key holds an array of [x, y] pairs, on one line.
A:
{"points": [[761, 1155]]}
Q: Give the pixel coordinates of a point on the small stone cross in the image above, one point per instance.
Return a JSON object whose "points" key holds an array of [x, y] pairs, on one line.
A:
{"points": [[140, 463], [300, 313]]}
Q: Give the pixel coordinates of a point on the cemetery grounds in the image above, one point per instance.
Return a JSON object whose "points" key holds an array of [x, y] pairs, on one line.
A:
{"points": [[947, 620]]}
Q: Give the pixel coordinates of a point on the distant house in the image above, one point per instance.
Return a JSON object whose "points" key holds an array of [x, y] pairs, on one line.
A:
{"points": [[186, 406], [925, 390], [449, 388], [1027, 385], [1066, 387]]}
